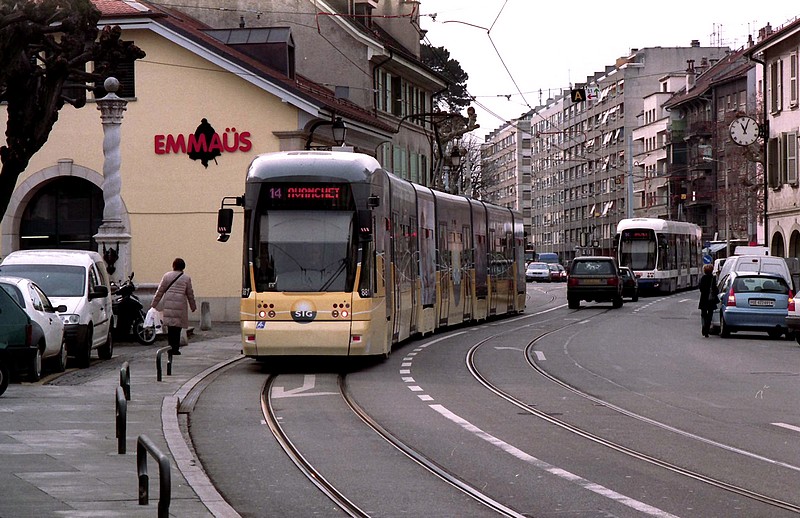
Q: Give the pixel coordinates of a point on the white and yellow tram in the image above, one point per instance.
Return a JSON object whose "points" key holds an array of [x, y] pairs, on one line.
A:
{"points": [[343, 258]]}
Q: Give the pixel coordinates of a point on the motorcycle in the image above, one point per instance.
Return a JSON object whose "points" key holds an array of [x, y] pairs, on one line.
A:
{"points": [[129, 315]]}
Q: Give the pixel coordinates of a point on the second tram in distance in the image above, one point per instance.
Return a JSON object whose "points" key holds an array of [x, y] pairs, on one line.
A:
{"points": [[665, 255], [343, 258]]}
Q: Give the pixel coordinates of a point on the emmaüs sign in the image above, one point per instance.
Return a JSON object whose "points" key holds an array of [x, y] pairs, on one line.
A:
{"points": [[204, 144]]}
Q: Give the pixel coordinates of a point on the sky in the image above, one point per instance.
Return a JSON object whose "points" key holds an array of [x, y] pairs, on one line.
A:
{"points": [[519, 53]]}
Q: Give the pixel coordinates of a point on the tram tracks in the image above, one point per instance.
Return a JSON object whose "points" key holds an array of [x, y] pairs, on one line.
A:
{"points": [[633, 453]]}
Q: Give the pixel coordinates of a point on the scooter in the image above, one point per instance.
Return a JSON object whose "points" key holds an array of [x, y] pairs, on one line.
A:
{"points": [[129, 315]]}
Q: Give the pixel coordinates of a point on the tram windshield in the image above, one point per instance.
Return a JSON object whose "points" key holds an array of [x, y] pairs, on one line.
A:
{"points": [[300, 250], [637, 249]]}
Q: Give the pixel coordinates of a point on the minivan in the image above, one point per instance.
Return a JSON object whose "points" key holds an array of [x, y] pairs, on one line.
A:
{"points": [[78, 280]]}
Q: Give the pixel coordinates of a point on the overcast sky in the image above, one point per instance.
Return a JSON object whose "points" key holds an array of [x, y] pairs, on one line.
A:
{"points": [[520, 52]]}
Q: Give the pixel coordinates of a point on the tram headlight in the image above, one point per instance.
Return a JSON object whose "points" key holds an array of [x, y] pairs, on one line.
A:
{"points": [[345, 314], [262, 314], [334, 313]]}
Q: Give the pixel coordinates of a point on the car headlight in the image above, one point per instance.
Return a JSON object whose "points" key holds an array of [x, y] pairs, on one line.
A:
{"points": [[69, 318]]}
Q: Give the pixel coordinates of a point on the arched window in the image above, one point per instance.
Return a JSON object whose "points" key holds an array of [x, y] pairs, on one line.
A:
{"points": [[64, 213], [778, 248]]}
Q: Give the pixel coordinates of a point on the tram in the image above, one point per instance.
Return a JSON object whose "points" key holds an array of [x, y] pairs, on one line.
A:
{"points": [[665, 255], [343, 258]]}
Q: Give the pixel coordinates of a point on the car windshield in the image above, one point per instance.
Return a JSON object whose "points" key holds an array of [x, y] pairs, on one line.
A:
{"points": [[538, 266], [55, 280]]}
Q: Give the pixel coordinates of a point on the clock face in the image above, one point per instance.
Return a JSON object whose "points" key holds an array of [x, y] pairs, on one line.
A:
{"points": [[744, 130]]}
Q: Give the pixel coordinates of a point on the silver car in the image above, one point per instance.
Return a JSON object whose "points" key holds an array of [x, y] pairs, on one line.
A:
{"points": [[538, 272]]}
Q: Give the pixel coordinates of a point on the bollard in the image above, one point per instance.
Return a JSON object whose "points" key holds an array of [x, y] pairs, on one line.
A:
{"points": [[122, 420], [158, 362], [144, 446], [125, 380], [205, 316]]}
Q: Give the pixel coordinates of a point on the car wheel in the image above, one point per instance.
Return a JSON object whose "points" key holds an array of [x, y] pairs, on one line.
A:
{"points": [[573, 303], [617, 302], [724, 330], [635, 297], [106, 351], [4, 374], [35, 366], [84, 356], [775, 333], [59, 361]]}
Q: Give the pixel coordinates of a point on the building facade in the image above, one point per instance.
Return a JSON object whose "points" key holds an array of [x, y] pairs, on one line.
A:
{"points": [[777, 56], [366, 51]]}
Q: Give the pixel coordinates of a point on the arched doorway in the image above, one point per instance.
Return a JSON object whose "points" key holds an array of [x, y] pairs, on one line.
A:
{"points": [[64, 213], [777, 246], [794, 244]]}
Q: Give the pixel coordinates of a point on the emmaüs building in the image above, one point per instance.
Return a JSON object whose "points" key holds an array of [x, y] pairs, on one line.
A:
{"points": [[234, 90]]}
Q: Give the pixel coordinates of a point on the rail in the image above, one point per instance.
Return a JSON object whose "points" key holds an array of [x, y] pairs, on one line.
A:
{"points": [[121, 420], [125, 380], [144, 446], [158, 362]]}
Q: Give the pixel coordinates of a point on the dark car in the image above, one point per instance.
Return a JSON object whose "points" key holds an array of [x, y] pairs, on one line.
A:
{"points": [[555, 272], [630, 284], [594, 278], [16, 339]]}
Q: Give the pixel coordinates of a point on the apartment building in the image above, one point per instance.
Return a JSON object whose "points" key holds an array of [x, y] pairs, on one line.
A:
{"points": [[583, 152], [506, 167], [777, 55]]}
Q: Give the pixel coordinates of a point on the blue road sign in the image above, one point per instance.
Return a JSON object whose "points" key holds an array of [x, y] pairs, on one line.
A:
{"points": [[707, 259]]}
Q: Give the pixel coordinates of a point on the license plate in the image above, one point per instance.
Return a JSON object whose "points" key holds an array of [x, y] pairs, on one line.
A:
{"points": [[762, 302], [592, 281]]}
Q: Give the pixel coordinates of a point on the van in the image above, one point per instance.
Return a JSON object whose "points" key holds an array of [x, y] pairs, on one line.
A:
{"points": [[78, 280], [756, 263]]}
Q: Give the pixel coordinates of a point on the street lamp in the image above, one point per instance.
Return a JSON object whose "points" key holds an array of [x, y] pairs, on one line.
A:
{"points": [[338, 130]]}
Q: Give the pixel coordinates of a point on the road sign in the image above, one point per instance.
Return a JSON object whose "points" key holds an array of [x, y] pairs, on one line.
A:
{"points": [[707, 259]]}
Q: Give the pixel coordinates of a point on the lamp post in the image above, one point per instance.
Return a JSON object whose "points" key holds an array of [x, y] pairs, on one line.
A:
{"points": [[112, 238], [338, 131]]}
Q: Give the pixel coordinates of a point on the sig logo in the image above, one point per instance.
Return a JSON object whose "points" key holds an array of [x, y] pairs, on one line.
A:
{"points": [[303, 311]]}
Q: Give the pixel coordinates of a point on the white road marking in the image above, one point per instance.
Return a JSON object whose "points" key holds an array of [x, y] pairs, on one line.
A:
{"points": [[788, 426], [309, 381], [553, 470], [539, 355]]}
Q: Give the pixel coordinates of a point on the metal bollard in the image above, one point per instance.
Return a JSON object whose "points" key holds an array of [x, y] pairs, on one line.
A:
{"points": [[158, 362], [125, 380], [122, 420], [143, 446]]}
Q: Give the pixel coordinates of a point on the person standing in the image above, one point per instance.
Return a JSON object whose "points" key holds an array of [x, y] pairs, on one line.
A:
{"points": [[708, 297], [177, 293]]}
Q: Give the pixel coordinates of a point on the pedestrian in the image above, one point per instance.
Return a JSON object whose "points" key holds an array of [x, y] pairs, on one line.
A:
{"points": [[177, 293], [708, 297]]}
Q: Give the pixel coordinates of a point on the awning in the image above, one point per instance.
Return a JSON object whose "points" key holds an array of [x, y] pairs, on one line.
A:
{"points": [[716, 247]]}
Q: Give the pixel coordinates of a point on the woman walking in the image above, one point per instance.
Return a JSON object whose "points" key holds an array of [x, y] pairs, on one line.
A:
{"points": [[708, 297], [177, 293]]}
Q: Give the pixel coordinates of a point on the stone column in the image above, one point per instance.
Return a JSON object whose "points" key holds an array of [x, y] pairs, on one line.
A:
{"points": [[113, 239]]}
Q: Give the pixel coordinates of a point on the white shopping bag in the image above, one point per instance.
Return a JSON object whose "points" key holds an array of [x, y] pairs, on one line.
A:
{"points": [[153, 319]]}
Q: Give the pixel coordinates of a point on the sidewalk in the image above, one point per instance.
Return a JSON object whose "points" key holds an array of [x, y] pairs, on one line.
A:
{"points": [[58, 446]]}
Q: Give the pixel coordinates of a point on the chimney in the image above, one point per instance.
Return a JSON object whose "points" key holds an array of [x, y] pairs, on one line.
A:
{"points": [[690, 74], [695, 43]]}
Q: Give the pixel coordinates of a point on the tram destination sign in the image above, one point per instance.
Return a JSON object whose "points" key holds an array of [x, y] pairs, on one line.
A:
{"points": [[308, 196]]}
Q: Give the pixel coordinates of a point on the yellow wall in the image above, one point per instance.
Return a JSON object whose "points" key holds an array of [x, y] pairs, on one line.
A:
{"points": [[172, 201]]}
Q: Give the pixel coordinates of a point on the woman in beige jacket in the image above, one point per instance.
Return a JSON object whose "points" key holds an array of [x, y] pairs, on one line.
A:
{"points": [[176, 291]]}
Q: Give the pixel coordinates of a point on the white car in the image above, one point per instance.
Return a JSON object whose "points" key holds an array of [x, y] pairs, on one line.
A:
{"points": [[48, 330]]}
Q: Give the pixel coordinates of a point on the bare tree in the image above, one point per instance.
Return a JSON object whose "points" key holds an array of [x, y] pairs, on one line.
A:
{"points": [[45, 47]]}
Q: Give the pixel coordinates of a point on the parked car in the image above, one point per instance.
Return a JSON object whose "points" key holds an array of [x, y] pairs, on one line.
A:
{"points": [[538, 272], [758, 264], [751, 301], [78, 280], [630, 283], [48, 332], [16, 332], [562, 273], [594, 278]]}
